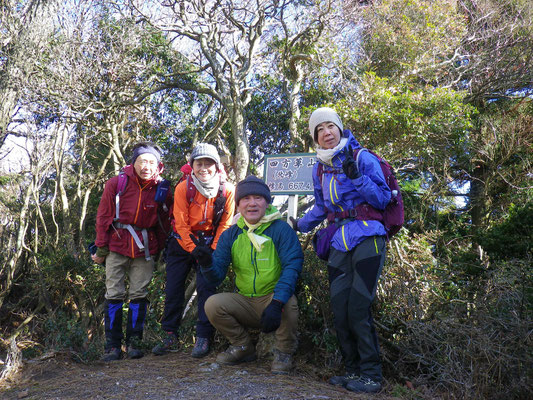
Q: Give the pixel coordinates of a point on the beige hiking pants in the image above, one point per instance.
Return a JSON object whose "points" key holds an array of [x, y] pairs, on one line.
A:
{"points": [[232, 313], [139, 272]]}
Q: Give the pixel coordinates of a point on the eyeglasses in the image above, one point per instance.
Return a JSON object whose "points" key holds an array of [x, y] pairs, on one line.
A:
{"points": [[146, 163]]}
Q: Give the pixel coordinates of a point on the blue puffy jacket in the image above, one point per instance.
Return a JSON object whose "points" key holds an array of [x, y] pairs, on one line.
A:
{"points": [[338, 193]]}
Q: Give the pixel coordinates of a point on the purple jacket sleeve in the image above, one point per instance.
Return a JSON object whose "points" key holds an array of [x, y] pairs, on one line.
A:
{"points": [[371, 184], [318, 213]]}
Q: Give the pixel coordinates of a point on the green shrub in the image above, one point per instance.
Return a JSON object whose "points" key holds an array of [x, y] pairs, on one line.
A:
{"points": [[63, 333], [513, 237]]}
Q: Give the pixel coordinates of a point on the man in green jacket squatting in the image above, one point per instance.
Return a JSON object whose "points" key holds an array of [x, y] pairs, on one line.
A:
{"points": [[267, 259]]}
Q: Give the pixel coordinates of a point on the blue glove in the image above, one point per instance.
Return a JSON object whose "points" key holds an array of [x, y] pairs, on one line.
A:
{"points": [[271, 317], [349, 166]]}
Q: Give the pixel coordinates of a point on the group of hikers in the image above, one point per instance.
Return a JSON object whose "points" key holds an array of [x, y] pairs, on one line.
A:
{"points": [[262, 249]]}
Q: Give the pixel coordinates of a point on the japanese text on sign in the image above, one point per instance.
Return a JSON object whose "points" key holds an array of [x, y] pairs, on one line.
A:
{"points": [[290, 173]]}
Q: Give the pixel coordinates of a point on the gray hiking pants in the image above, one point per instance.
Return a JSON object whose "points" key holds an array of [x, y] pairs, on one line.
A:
{"points": [[353, 278]]}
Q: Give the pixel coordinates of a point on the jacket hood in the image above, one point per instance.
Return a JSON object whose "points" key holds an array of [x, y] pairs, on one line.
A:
{"points": [[351, 139], [338, 157]]}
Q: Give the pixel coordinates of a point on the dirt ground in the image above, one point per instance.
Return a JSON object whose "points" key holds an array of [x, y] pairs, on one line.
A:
{"points": [[173, 376]]}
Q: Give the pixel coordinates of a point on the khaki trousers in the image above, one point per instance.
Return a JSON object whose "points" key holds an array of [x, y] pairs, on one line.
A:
{"points": [[139, 271], [232, 313]]}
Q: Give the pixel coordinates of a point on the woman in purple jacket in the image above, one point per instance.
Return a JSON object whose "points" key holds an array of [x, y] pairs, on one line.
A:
{"points": [[357, 249]]}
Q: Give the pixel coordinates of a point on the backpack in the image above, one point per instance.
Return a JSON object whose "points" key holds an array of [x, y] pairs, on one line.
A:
{"points": [[393, 215], [160, 197], [220, 200], [160, 194]]}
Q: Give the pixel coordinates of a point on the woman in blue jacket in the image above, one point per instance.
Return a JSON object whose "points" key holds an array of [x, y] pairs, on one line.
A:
{"points": [[357, 249]]}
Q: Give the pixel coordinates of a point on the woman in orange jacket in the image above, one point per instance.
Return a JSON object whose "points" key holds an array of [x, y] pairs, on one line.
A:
{"points": [[203, 207]]}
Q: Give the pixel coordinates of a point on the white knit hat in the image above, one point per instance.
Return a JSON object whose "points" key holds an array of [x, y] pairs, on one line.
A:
{"points": [[205, 150], [323, 114]]}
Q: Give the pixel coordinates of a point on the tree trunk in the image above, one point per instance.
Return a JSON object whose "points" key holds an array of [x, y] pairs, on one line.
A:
{"points": [[478, 196], [84, 198], [30, 25], [297, 75], [10, 267], [60, 145], [242, 146], [8, 97]]}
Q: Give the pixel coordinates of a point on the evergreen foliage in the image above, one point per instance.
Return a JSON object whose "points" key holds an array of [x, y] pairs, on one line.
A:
{"points": [[442, 90]]}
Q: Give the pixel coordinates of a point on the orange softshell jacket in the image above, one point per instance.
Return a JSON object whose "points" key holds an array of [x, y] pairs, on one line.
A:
{"points": [[198, 215]]}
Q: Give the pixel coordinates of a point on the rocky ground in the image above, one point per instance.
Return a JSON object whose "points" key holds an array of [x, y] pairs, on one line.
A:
{"points": [[173, 376]]}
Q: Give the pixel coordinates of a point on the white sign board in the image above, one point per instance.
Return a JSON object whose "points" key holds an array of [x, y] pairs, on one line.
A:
{"points": [[290, 173]]}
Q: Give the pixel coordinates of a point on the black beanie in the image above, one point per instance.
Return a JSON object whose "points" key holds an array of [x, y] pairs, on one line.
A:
{"points": [[252, 185]]}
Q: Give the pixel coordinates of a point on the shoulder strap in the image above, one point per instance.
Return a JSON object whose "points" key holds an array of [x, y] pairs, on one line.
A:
{"points": [[357, 153], [191, 190], [220, 203], [222, 187], [122, 182], [121, 187], [320, 171]]}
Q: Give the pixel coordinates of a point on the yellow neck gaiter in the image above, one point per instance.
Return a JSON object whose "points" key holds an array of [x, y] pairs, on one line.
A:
{"points": [[257, 241]]}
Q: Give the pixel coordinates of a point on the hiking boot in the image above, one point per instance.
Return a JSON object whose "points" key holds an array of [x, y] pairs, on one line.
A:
{"points": [[343, 380], [201, 347], [363, 385], [168, 344], [282, 362], [112, 354], [133, 349], [237, 354]]}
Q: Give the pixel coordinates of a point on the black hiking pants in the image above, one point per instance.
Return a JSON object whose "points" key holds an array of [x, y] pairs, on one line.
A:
{"points": [[353, 278], [179, 263]]}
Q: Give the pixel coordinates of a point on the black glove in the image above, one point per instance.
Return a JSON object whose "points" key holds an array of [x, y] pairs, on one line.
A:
{"points": [[294, 223], [349, 165], [202, 252], [271, 317]]}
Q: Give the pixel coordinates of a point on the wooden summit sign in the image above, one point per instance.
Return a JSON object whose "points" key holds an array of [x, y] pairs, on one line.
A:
{"points": [[290, 173]]}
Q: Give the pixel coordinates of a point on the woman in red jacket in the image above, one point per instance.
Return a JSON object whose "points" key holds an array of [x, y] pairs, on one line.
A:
{"points": [[196, 200]]}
